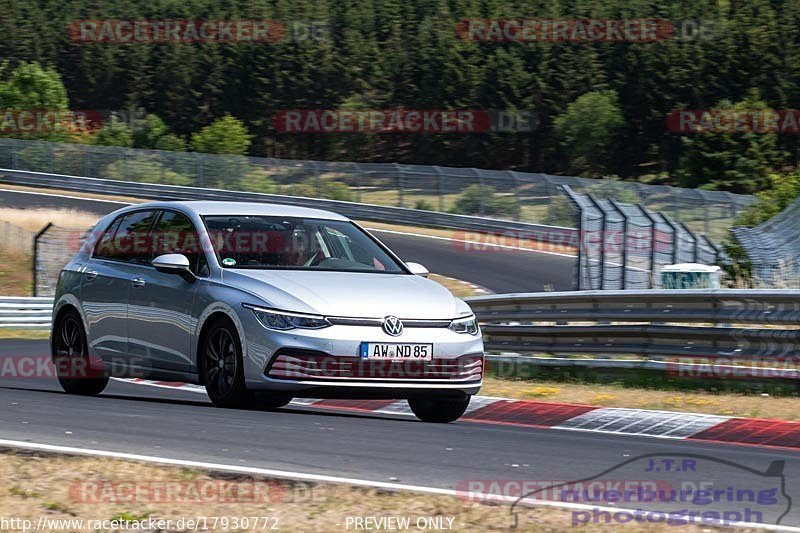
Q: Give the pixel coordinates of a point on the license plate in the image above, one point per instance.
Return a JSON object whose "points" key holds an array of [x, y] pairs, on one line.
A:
{"points": [[396, 351]]}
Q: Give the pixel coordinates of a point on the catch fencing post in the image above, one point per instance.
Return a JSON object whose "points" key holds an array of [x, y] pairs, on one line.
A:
{"points": [[619, 210], [574, 201], [653, 234], [440, 183], [602, 240], [36, 256]]}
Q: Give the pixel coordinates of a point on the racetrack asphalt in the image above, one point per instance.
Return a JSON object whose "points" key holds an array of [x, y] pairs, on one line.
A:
{"points": [[178, 424]]}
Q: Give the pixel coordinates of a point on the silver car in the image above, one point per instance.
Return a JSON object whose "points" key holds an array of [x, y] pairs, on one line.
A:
{"points": [[261, 303]]}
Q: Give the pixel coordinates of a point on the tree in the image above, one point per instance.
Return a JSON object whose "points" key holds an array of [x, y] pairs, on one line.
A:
{"points": [[40, 93], [737, 162], [588, 130], [783, 190], [170, 142], [227, 135], [148, 131], [115, 132], [31, 87]]}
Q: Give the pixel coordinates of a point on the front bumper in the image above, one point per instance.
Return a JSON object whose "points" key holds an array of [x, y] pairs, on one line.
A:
{"points": [[326, 362]]}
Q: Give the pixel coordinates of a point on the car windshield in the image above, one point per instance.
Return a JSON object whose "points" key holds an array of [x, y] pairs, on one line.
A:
{"points": [[264, 242]]}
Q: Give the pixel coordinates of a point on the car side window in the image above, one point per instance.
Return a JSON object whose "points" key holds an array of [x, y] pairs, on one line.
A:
{"points": [[132, 241], [104, 249], [174, 233]]}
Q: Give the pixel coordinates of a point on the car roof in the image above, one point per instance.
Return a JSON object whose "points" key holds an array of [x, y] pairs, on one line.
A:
{"points": [[210, 207]]}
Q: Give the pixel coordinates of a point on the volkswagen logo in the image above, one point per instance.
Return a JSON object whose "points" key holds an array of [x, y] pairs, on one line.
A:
{"points": [[393, 326]]}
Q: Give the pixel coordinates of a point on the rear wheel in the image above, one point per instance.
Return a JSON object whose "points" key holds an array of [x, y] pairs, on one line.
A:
{"points": [[77, 372], [439, 409], [223, 366]]}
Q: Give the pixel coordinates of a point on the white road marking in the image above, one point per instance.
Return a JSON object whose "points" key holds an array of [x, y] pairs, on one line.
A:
{"points": [[320, 478], [660, 424]]}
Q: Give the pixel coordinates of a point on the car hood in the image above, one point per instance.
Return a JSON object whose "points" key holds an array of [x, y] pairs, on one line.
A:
{"points": [[348, 294]]}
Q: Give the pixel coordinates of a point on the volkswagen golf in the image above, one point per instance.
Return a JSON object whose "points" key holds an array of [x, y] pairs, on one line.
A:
{"points": [[261, 304]]}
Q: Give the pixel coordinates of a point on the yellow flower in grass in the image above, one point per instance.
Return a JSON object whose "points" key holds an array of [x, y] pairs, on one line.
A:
{"points": [[602, 398], [540, 392]]}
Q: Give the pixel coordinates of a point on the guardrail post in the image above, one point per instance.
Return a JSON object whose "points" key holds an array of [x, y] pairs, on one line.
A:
{"points": [[36, 256]]}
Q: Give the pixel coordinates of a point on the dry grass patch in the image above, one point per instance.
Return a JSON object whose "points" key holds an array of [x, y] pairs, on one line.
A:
{"points": [[459, 288], [16, 276], [36, 218], [725, 404], [25, 333], [66, 487]]}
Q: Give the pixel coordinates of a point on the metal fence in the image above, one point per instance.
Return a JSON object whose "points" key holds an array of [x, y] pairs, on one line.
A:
{"points": [[54, 247], [666, 330], [773, 247], [624, 246], [509, 195]]}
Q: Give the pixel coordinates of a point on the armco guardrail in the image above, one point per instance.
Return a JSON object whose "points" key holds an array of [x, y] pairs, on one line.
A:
{"points": [[377, 213], [657, 324], [20, 312], [661, 325]]}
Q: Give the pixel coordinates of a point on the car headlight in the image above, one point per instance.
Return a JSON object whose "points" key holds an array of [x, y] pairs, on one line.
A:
{"points": [[465, 325], [285, 320]]}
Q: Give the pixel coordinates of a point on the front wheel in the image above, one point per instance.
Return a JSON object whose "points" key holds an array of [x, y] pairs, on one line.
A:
{"points": [[439, 409], [77, 372], [223, 366]]}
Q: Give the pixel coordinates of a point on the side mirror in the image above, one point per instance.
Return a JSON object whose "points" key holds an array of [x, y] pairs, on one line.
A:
{"points": [[418, 270], [174, 264]]}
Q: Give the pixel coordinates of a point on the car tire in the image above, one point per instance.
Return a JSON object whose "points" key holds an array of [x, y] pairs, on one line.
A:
{"points": [[439, 409], [223, 366], [77, 372], [268, 401]]}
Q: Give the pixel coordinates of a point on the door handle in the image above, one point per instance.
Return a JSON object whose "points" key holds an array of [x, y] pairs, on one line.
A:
{"points": [[138, 282], [90, 275]]}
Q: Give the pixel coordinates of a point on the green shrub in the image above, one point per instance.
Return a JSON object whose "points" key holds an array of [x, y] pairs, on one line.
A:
{"points": [[257, 180], [469, 203], [144, 172]]}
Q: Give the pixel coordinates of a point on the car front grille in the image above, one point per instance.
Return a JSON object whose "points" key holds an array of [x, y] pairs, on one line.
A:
{"points": [[296, 366]]}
